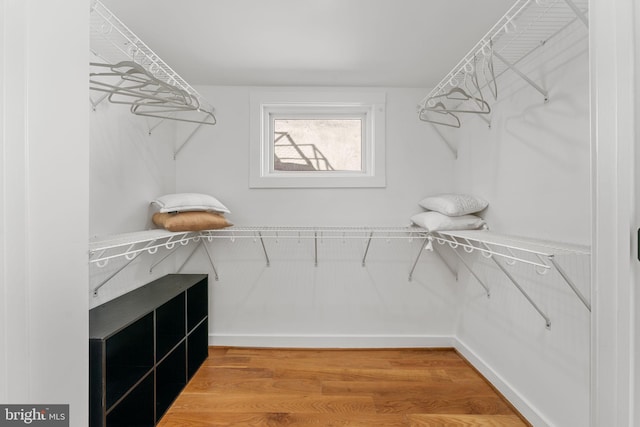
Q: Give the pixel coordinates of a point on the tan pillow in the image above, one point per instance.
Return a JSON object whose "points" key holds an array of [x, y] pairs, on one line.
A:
{"points": [[190, 221]]}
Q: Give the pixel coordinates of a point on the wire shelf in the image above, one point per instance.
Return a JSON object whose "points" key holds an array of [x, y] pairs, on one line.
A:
{"points": [[537, 253], [528, 25], [316, 232], [114, 42], [130, 245]]}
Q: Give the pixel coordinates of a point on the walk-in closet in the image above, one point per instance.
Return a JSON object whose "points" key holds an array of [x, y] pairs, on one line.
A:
{"points": [[426, 209]]}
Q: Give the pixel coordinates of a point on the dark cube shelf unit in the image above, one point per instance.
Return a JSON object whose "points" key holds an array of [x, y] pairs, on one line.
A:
{"points": [[144, 347]]}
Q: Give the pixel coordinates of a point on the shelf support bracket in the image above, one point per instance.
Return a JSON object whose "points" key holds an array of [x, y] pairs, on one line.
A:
{"points": [[366, 251], [154, 127], [468, 267], [189, 257], [444, 260], [122, 267], [570, 283], [446, 141], [484, 119], [315, 248], [517, 285], [215, 272], [264, 249], [186, 141], [163, 258], [578, 12], [523, 76], [423, 247], [94, 104]]}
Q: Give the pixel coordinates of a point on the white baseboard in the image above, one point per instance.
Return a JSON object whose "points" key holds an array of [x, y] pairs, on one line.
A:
{"points": [[332, 341], [516, 399]]}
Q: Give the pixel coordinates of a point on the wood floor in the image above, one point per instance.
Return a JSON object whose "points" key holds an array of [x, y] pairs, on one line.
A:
{"points": [[278, 387]]}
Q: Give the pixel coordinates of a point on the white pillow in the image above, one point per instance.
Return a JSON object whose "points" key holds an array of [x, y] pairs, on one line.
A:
{"points": [[181, 202], [454, 204], [435, 221]]}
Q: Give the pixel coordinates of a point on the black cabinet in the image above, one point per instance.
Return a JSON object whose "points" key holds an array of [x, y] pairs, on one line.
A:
{"points": [[143, 349]]}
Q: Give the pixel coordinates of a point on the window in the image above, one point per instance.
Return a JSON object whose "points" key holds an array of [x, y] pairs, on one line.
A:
{"points": [[317, 139]]}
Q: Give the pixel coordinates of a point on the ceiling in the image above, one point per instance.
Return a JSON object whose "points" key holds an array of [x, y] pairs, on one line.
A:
{"points": [[388, 43]]}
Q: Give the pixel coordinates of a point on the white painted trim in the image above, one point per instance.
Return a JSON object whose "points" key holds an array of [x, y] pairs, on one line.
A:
{"points": [[612, 126], [371, 104], [523, 406], [332, 341]]}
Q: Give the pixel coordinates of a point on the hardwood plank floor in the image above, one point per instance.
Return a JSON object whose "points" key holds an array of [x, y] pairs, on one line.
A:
{"points": [[323, 387]]}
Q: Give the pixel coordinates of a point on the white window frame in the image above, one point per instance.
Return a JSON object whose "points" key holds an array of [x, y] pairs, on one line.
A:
{"points": [[267, 106]]}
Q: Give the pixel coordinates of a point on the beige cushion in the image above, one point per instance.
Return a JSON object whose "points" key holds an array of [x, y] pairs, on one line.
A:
{"points": [[190, 221]]}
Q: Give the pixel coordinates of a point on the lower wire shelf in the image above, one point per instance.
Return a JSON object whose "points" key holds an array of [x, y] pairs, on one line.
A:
{"points": [[132, 245], [539, 254]]}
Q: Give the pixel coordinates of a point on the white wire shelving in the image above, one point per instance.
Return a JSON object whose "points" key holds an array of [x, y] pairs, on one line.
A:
{"points": [[125, 55], [131, 245], [317, 234], [527, 26], [540, 255]]}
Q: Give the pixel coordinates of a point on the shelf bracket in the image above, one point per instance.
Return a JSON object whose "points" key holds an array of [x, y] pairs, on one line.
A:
{"points": [[122, 267], [526, 295], [523, 76], [94, 104], [425, 244], [468, 267], [189, 257], [570, 283], [315, 248], [484, 119], [163, 258], [453, 271], [581, 16], [366, 251], [449, 146], [152, 128], [186, 141], [215, 272], [264, 249]]}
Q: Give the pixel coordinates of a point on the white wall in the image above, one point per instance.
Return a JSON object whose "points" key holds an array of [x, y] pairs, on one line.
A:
{"points": [[44, 205], [339, 302], [131, 163], [533, 166], [129, 167]]}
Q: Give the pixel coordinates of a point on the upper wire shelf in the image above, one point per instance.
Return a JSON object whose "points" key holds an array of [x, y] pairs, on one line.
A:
{"points": [[526, 26], [113, 42]]}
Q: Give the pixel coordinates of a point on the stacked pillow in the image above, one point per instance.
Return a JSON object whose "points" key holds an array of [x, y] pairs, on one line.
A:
{"points": [[450, 212], [190, 212]]}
